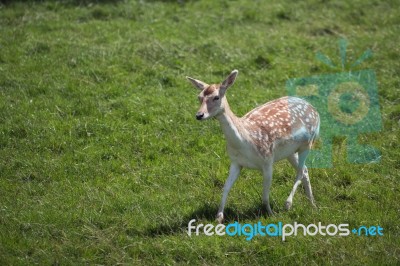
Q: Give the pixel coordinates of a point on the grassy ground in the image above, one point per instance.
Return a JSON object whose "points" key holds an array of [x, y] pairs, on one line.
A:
{"points": [[102, 161]]}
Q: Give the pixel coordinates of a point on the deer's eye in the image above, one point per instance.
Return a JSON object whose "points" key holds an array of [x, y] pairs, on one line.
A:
{"points": [[216, 98]]}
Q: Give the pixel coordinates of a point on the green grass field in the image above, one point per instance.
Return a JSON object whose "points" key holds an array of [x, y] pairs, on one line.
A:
{"points": [[103, 162]]}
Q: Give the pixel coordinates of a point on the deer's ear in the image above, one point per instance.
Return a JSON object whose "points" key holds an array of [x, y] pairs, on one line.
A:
{"points": [[198, 83], [230, 79]]}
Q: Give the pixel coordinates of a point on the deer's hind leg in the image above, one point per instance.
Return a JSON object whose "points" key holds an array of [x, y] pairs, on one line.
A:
{"points": [[297, 160]]}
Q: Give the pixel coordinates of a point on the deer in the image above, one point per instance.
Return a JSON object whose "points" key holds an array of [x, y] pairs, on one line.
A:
{"points": [[285, 128]]}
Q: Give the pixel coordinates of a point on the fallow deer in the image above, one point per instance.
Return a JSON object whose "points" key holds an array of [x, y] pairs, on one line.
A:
{"points": [[283, 128]]}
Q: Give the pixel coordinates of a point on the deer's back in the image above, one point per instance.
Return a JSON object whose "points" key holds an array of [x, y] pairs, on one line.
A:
{"points": [[288, 122]]}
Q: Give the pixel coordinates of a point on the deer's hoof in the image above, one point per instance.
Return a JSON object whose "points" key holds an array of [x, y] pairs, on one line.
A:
{"points": [[314, 205], [220, 217], [288, 205]]}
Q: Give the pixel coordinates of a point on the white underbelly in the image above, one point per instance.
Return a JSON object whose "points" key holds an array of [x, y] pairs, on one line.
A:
{"points": [[282, 151], [248, 158]]}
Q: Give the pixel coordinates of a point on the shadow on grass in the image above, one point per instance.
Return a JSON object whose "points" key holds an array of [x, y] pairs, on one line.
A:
{"points": [[205, 214]]}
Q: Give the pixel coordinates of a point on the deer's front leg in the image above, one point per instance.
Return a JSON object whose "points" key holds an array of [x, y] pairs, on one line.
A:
{"points": [[267, 175], [234, 172]]}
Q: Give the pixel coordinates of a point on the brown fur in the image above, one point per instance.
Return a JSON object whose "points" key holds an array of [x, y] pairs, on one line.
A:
{"points": [[210, 90]]}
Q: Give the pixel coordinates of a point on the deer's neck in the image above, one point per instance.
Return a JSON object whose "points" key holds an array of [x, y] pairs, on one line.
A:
{"points": [[231, 126]]}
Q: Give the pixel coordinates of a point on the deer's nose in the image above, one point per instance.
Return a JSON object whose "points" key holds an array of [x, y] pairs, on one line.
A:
{"points": [[199, 115]]}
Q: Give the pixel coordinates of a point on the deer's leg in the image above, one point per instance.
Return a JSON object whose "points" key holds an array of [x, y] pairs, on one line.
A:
{"points": [[234, 172], [307, 186], [300, 170], [267, 175], [293, 159]]}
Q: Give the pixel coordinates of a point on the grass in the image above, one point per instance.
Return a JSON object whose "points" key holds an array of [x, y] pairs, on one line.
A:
{"points": [[102, 161]]}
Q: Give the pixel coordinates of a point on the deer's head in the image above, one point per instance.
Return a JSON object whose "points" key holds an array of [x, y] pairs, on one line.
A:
{"points": [[212, 97]]}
